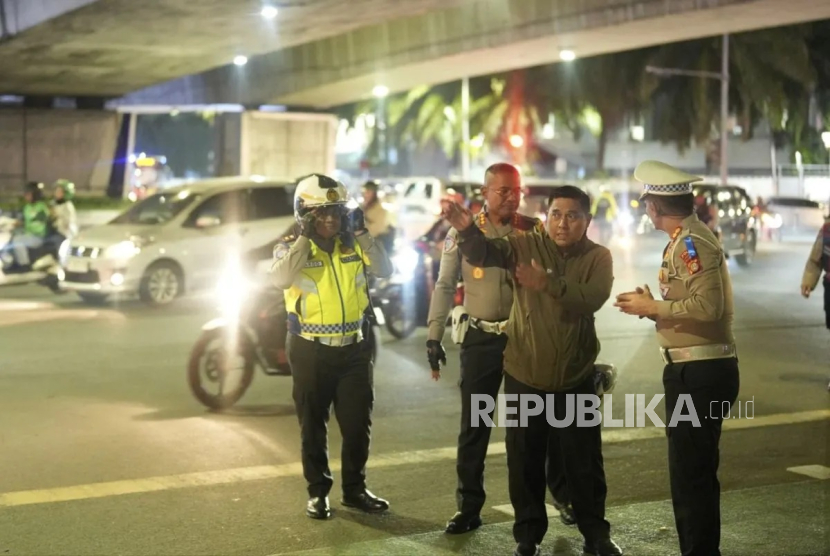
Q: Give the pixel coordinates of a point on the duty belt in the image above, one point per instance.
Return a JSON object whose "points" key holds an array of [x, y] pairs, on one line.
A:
{"points": [[698, 353], [497, 327], [334, 341]]}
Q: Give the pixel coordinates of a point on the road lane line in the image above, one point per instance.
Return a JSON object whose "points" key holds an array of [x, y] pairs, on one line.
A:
{"points": [[820, 472], [508, 509], [244, 474]]}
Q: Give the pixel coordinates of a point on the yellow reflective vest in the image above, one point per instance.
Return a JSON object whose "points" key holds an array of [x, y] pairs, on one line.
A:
{"points": [[329, 295]]}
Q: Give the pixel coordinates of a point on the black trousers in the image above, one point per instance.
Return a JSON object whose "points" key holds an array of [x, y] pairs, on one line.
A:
{"points": [[482, 366], [579, 450], [827, 303], [693, 451], [325, 375]]}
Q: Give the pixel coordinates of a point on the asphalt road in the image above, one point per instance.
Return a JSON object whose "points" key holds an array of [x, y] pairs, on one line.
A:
{"points": [[104, 451]]}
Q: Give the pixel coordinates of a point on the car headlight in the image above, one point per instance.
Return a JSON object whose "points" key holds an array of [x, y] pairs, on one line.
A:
{"points": [[123, 250], [772, 220], [406, 261]]}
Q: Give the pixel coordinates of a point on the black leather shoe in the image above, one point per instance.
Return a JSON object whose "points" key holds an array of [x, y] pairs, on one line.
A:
{"points": [[566, 513], [366, 501], [318, 507], [527, 549], [462, 523], [602, 547]]}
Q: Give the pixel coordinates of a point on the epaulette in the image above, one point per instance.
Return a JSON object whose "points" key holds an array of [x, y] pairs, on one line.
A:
{"points": [[527, 223], [289, 238]]}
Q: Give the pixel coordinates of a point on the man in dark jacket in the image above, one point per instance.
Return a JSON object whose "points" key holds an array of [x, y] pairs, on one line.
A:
{"points": [[562, 280]]}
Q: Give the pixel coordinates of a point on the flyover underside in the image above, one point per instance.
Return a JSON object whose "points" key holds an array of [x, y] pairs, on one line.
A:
{"points": [[646, 23], [96, 48]]}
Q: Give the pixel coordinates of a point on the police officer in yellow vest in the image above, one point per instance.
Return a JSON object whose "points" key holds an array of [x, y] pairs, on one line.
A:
{"points": [[694, 328], [323, 273]]}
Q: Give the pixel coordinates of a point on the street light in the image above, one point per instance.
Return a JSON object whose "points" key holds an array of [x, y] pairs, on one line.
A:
{"points": [[567, 55], [380, 91], [240, 60], [516, 141], [723, 77]]}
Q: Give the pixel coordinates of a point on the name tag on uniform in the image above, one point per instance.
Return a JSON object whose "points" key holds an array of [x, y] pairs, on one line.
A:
{"points": [[350, 259], [313, 264]]}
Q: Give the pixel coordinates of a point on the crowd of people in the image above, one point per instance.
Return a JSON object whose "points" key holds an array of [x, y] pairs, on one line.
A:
{"points": [[532, 290]]}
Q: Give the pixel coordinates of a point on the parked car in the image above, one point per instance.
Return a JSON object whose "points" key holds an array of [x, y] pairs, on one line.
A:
{"points": [[177, 240], [737, 226], [793, 216]]}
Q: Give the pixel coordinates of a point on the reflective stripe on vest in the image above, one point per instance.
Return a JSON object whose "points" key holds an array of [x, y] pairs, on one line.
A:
{"points": [[328, 296]]}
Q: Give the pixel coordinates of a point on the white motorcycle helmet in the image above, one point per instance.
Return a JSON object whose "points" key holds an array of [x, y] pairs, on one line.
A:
{"points": [[317, 190]]}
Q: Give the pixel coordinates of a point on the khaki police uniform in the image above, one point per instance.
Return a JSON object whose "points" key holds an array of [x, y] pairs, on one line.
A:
{"points": [[488, 298], [694, 329]]}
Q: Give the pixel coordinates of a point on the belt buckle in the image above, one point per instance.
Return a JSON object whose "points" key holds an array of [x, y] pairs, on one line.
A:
{"points": [[664, 353]]}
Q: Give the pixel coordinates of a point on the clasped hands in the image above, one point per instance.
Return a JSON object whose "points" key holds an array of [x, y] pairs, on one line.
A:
{"points": [[640, 302]]}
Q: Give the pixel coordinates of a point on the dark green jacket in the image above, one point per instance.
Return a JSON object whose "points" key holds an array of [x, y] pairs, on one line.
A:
{"points": [[552, 343]]}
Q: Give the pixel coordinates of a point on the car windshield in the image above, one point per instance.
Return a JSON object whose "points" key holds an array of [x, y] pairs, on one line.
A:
{"points": [[158, 209]]}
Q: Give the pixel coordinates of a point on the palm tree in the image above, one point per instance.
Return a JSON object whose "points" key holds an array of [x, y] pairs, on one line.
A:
{"points": [[766, 69]]}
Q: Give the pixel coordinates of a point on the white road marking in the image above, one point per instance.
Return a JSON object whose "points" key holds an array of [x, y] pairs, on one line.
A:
{"points": [[820, 472], [508, 509], [243, 474]]}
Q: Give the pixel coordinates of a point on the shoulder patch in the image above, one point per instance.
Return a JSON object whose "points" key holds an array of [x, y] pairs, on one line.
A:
{"points": [[280, 250], [690, 256], [449, 243]]}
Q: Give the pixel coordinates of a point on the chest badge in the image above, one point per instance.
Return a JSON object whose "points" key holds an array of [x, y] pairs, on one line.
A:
{"points": [[478, 273]]}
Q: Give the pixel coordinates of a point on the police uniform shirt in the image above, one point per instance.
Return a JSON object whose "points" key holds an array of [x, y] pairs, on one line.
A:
{"points": [[697, 307], [488, 292]]}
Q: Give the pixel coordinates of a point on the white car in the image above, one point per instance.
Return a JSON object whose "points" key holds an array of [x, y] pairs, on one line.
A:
{"points": [[788, 216], [177, 240]]}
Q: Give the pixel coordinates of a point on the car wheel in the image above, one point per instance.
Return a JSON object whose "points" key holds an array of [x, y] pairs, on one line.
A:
{"points": [[161, 284], [748, 255]]}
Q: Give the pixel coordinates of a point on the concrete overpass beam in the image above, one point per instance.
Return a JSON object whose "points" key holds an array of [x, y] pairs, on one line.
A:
{"points": [[498, 35], [18, 15]]}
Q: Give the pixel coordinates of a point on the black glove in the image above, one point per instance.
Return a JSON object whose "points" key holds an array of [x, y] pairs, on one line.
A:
{"points": [[308, 224], [436, 354], [356, 221]]}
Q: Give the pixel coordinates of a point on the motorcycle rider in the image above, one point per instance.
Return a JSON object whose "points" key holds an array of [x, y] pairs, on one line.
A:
{"points": [[323, 273], [488, 299], [377, 218], [64, 217], [15, 254]]}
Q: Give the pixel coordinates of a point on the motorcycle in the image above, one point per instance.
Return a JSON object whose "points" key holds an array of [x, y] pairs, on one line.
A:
{"points": [[46, 268], [404, 298], [249, 334]]}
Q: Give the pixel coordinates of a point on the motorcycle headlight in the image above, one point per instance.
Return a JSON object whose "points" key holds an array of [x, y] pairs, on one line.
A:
{"points": [[231, 290], [406, 261]]}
